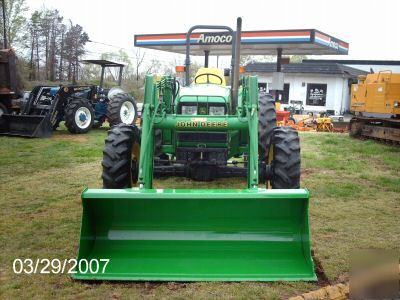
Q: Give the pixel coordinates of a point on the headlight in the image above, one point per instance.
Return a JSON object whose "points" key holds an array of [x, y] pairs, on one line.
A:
{"points": [[216, 110], [189, 109], [396, 104]]}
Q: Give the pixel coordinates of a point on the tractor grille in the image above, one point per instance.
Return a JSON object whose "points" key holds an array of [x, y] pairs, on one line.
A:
{"points": [[216, 137]]}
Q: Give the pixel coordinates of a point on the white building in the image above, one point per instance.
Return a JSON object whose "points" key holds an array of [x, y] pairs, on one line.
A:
{"points": [[320, 86]]}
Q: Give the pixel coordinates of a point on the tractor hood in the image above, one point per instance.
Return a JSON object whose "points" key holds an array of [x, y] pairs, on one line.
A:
{"points": [[205, 90]]}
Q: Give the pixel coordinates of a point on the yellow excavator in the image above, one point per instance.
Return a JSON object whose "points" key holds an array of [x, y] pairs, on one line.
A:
{"points": [[375, 100]]}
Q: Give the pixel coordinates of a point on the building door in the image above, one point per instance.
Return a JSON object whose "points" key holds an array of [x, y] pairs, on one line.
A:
{"points": [[283, 96]]}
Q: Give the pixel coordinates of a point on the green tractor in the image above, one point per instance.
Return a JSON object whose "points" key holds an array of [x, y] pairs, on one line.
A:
{"points": [[260, 233]]}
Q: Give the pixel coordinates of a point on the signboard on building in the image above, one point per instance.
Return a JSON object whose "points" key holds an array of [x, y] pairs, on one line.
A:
{"points": [[316, 94]]}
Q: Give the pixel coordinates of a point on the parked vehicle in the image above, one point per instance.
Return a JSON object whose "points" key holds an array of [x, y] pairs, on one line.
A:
{"points": [[80, 106], [150, 234], [376, 102]]}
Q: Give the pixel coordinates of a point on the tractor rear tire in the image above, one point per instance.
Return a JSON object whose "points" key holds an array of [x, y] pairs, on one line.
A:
{"points": [[266, 124], [119, 169], [286, 159], [122, 108], [79, 115]]}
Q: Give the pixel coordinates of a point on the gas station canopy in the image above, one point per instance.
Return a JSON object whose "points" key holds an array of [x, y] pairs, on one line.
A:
{"points": [[263, 42]]}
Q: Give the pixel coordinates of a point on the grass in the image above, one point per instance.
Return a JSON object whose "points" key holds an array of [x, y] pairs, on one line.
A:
{"points": [[355, 204]]}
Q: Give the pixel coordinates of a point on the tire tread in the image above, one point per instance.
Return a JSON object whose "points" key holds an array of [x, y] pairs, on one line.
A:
{"points": [[286, 162]]}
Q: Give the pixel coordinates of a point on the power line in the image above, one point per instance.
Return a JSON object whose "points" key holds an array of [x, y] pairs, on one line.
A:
{"points": [[135, 58], [90, 41], [119, 47]]}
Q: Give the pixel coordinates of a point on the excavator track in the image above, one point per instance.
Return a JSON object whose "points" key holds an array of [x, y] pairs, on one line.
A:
{"points": [[381, 129]]}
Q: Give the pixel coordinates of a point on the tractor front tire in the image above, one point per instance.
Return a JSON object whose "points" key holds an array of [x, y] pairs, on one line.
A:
{"points": [[79, 115], [286, 159], [266, 124], [122, 108], [120, 167]]}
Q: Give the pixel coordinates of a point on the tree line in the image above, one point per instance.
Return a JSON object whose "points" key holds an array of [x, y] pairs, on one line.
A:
{"points": [[51, 45], [50, 48]]}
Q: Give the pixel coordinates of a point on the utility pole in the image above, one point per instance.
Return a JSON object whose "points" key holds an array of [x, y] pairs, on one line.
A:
{"points": [[5, 46]]}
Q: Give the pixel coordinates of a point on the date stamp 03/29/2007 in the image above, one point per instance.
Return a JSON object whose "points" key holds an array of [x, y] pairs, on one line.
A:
{"points": [[59, 266]]}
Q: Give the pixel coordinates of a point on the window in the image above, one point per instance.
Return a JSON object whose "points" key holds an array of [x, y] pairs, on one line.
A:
{"points": [[283, 96], [262, 87], [316, 94]]}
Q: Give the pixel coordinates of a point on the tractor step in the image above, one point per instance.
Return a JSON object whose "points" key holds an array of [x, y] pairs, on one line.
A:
{"points": [[26, 125], [196, 235]]}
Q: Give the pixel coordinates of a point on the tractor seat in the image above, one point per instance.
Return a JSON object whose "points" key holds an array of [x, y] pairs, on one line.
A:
{"points": [[210, 76]]}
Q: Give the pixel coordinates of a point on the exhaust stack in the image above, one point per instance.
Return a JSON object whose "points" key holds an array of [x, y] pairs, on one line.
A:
{"points": [[236, 64]]}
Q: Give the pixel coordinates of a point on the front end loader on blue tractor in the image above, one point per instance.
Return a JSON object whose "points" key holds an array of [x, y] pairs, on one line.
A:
{"points": [[260, 233]]}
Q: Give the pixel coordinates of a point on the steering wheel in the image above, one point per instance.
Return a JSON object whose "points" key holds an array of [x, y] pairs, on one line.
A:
{"points": [[208, 77]]}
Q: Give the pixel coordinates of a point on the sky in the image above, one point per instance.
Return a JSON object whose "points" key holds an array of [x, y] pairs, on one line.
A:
{"points": [[371, 28]]}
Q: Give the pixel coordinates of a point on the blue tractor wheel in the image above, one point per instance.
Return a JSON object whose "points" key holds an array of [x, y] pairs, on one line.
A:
{"points": [[79, 115], [122, 108]]}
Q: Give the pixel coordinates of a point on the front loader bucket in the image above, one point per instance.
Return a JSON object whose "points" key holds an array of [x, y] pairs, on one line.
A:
{"points": [[26, 125], [195, 235]]}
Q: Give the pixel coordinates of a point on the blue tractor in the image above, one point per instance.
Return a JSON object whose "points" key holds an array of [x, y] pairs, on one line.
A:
{"points": [[82, 107]]}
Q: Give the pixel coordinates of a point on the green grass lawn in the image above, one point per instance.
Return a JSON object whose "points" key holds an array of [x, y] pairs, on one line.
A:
{"points": [[355, 203]]}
